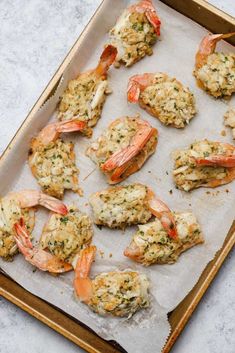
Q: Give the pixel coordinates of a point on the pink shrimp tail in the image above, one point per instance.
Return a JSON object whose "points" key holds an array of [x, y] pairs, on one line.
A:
{"points": [[221, 161], [163, 213], [22, 234], [82, 283], [133, 252], [106, 59], [133, 91], [52, 204], [71, 125]]}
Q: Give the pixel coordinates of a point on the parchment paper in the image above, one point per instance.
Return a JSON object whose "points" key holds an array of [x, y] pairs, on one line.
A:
{"points": [[174, 54]]}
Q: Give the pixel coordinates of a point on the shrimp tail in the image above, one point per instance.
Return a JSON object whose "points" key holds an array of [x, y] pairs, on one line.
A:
{"points": [[82, 282], [106, 59], [154, 20], [52, 204], [37, 257], [133, 251], [207, 47], [160, 210], [71, 125], [22, 233], [221, 161], [30, 198], [133, 91]]}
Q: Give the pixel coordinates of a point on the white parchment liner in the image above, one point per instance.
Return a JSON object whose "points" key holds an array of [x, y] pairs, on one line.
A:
{"points": [[174, 54]]}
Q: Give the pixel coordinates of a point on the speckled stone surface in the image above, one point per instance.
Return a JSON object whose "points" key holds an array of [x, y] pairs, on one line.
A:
{"points": [[34, 38]]}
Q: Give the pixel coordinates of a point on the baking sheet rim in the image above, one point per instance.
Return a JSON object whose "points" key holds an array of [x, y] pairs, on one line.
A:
{"points": [[209, 272]]}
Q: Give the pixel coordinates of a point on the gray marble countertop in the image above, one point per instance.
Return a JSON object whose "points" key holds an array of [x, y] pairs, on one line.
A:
{"points": [[34, 38]]}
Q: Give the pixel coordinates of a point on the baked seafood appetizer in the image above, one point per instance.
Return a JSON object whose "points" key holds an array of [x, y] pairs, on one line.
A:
{"points": [[229, 120], [163, 97], [17, 205], [205, 163], [135, 32], [122, 206], [65, 236], [116, 293], [152, 245], [215, 71], [123, 147], [52, 160], [37, 257], [85, 96]]}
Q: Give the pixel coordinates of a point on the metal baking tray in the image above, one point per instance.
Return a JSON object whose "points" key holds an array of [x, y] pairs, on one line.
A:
{"points": [[215, 21]]}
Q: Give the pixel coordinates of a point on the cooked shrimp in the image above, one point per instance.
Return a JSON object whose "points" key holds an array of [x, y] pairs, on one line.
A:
{"points": [[215, 71], [17, 205], [85, 96], [117, 293], [123, 148], [52, 160], [135, 32], [152, 245], [65, 236], [206, 163], [163, 97], [37, 257], [122, 206]]}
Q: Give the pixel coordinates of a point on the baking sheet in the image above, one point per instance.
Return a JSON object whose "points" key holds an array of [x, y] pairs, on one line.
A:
{"points": [[170, 283]]}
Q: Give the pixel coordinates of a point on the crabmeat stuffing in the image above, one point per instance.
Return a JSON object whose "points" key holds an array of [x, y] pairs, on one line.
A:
{"points": [[121, 206], [217, 75], [53, 165], [168, 100], [65, 236], [84, 99], [119, 293]]}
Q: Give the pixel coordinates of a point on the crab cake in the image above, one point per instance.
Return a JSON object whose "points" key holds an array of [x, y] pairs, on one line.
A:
{"points": [[168, 100], [189, 175], [134, 34], [121, 206], [229, 120], [53, 165], [152, 245], [65, 236], [123, 147], [119, 293]]}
